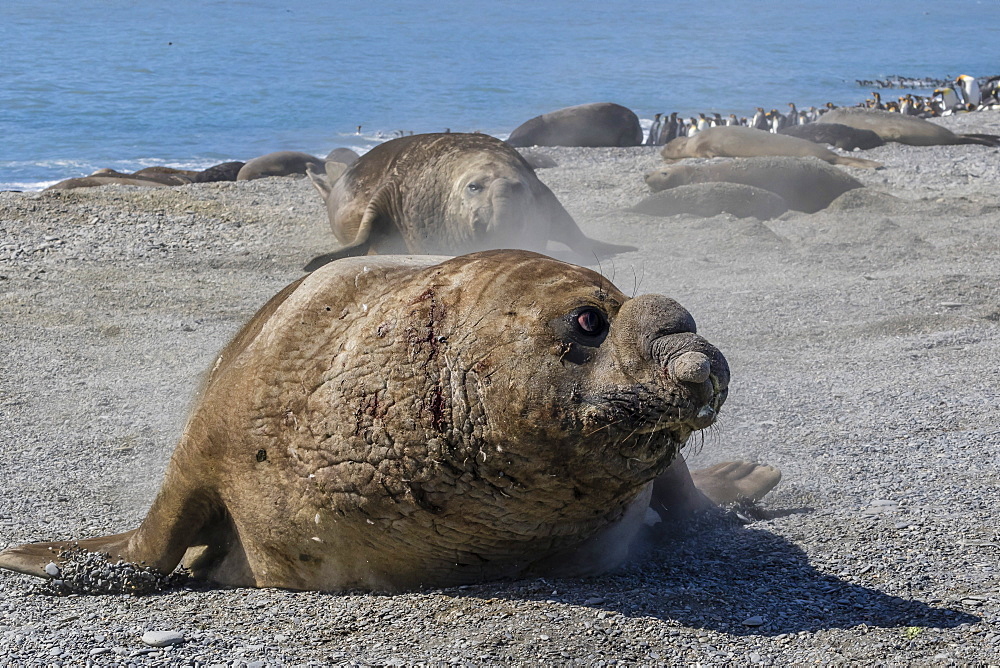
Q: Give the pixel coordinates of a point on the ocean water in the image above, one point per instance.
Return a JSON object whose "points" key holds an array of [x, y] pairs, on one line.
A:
{"points": [[189, 83]]}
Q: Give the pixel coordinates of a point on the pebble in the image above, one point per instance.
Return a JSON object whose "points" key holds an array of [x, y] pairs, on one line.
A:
{"points": [[756, 620], [162, 638]]}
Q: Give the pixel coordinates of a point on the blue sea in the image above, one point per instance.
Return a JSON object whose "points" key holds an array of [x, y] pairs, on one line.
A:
{"points": [[190, 83]]}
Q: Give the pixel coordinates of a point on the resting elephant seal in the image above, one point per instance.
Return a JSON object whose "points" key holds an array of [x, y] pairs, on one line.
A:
{"points": [[225, 171], [596, 124], [841, 136], [279, 163], [806, 184], [109, 177], [393, 423], [903, 129], [732, 141], [445, 193], [710, 199]]}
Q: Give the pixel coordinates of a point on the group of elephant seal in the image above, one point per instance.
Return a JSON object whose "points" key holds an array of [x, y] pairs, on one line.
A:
{"points": [[152, 177], [278, 163], [390, 423], [396, 422], [444, 193], [741, 142]]}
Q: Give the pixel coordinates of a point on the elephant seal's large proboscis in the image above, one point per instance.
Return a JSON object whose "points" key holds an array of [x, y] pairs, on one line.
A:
{"points": [[391, 423], [445, 193], [740, 142]]}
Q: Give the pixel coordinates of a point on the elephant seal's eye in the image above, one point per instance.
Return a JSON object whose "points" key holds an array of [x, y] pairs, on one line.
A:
{"points": [[588, 325], [474, 187], [590, 322]]}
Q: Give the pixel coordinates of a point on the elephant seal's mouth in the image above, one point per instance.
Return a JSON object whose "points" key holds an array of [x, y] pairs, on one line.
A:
{"points": [[646, 423]]}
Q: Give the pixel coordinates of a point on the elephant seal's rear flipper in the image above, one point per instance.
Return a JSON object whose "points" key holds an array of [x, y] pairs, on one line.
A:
{"points": [[564, 229], [376, 219], [33, 558], [173, 524]]}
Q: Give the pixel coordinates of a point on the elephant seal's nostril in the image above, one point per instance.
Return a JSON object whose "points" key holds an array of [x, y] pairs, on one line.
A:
{"points": [[691, 367]]}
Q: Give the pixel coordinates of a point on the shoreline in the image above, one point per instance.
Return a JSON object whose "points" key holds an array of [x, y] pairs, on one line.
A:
{"points": [[359, 143], [863, 342]]}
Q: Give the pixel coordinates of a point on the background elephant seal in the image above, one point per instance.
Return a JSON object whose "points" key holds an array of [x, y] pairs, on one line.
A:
{"points": [[445, 193], [806, 184], [841, 136], [903, 129], [393, 423], [344, 155], [279, 163], [168, 175], [596, 124], [739, 142], [226, 171], [710, 199], [113, 178]]}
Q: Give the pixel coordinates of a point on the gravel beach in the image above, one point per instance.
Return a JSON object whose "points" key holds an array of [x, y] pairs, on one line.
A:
{"points": [[864, 342]]}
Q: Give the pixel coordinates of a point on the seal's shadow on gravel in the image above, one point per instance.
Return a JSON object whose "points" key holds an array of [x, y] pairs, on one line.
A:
{"points": [[726, 577]]}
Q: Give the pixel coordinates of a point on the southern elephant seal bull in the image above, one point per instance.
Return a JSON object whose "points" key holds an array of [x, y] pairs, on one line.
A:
{"points": [[838, 135], [739, 142], [806, 184], [445, 193], [392, 423], [596, 124], [279, 163], [902, 128]]}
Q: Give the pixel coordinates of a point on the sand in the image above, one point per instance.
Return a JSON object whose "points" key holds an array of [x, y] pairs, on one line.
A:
{"points": [[865, 346]]}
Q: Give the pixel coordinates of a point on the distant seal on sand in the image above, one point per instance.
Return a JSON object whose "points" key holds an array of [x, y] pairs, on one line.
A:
{"points": [[112, 178], [903, 129], [225, 171], [596, 124], [395, 423], [152, 177], [841, 136], [445, 193], [344, 155], [806, 184], [732, 141], [279, 163], [711, 199], [169, 175]]}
